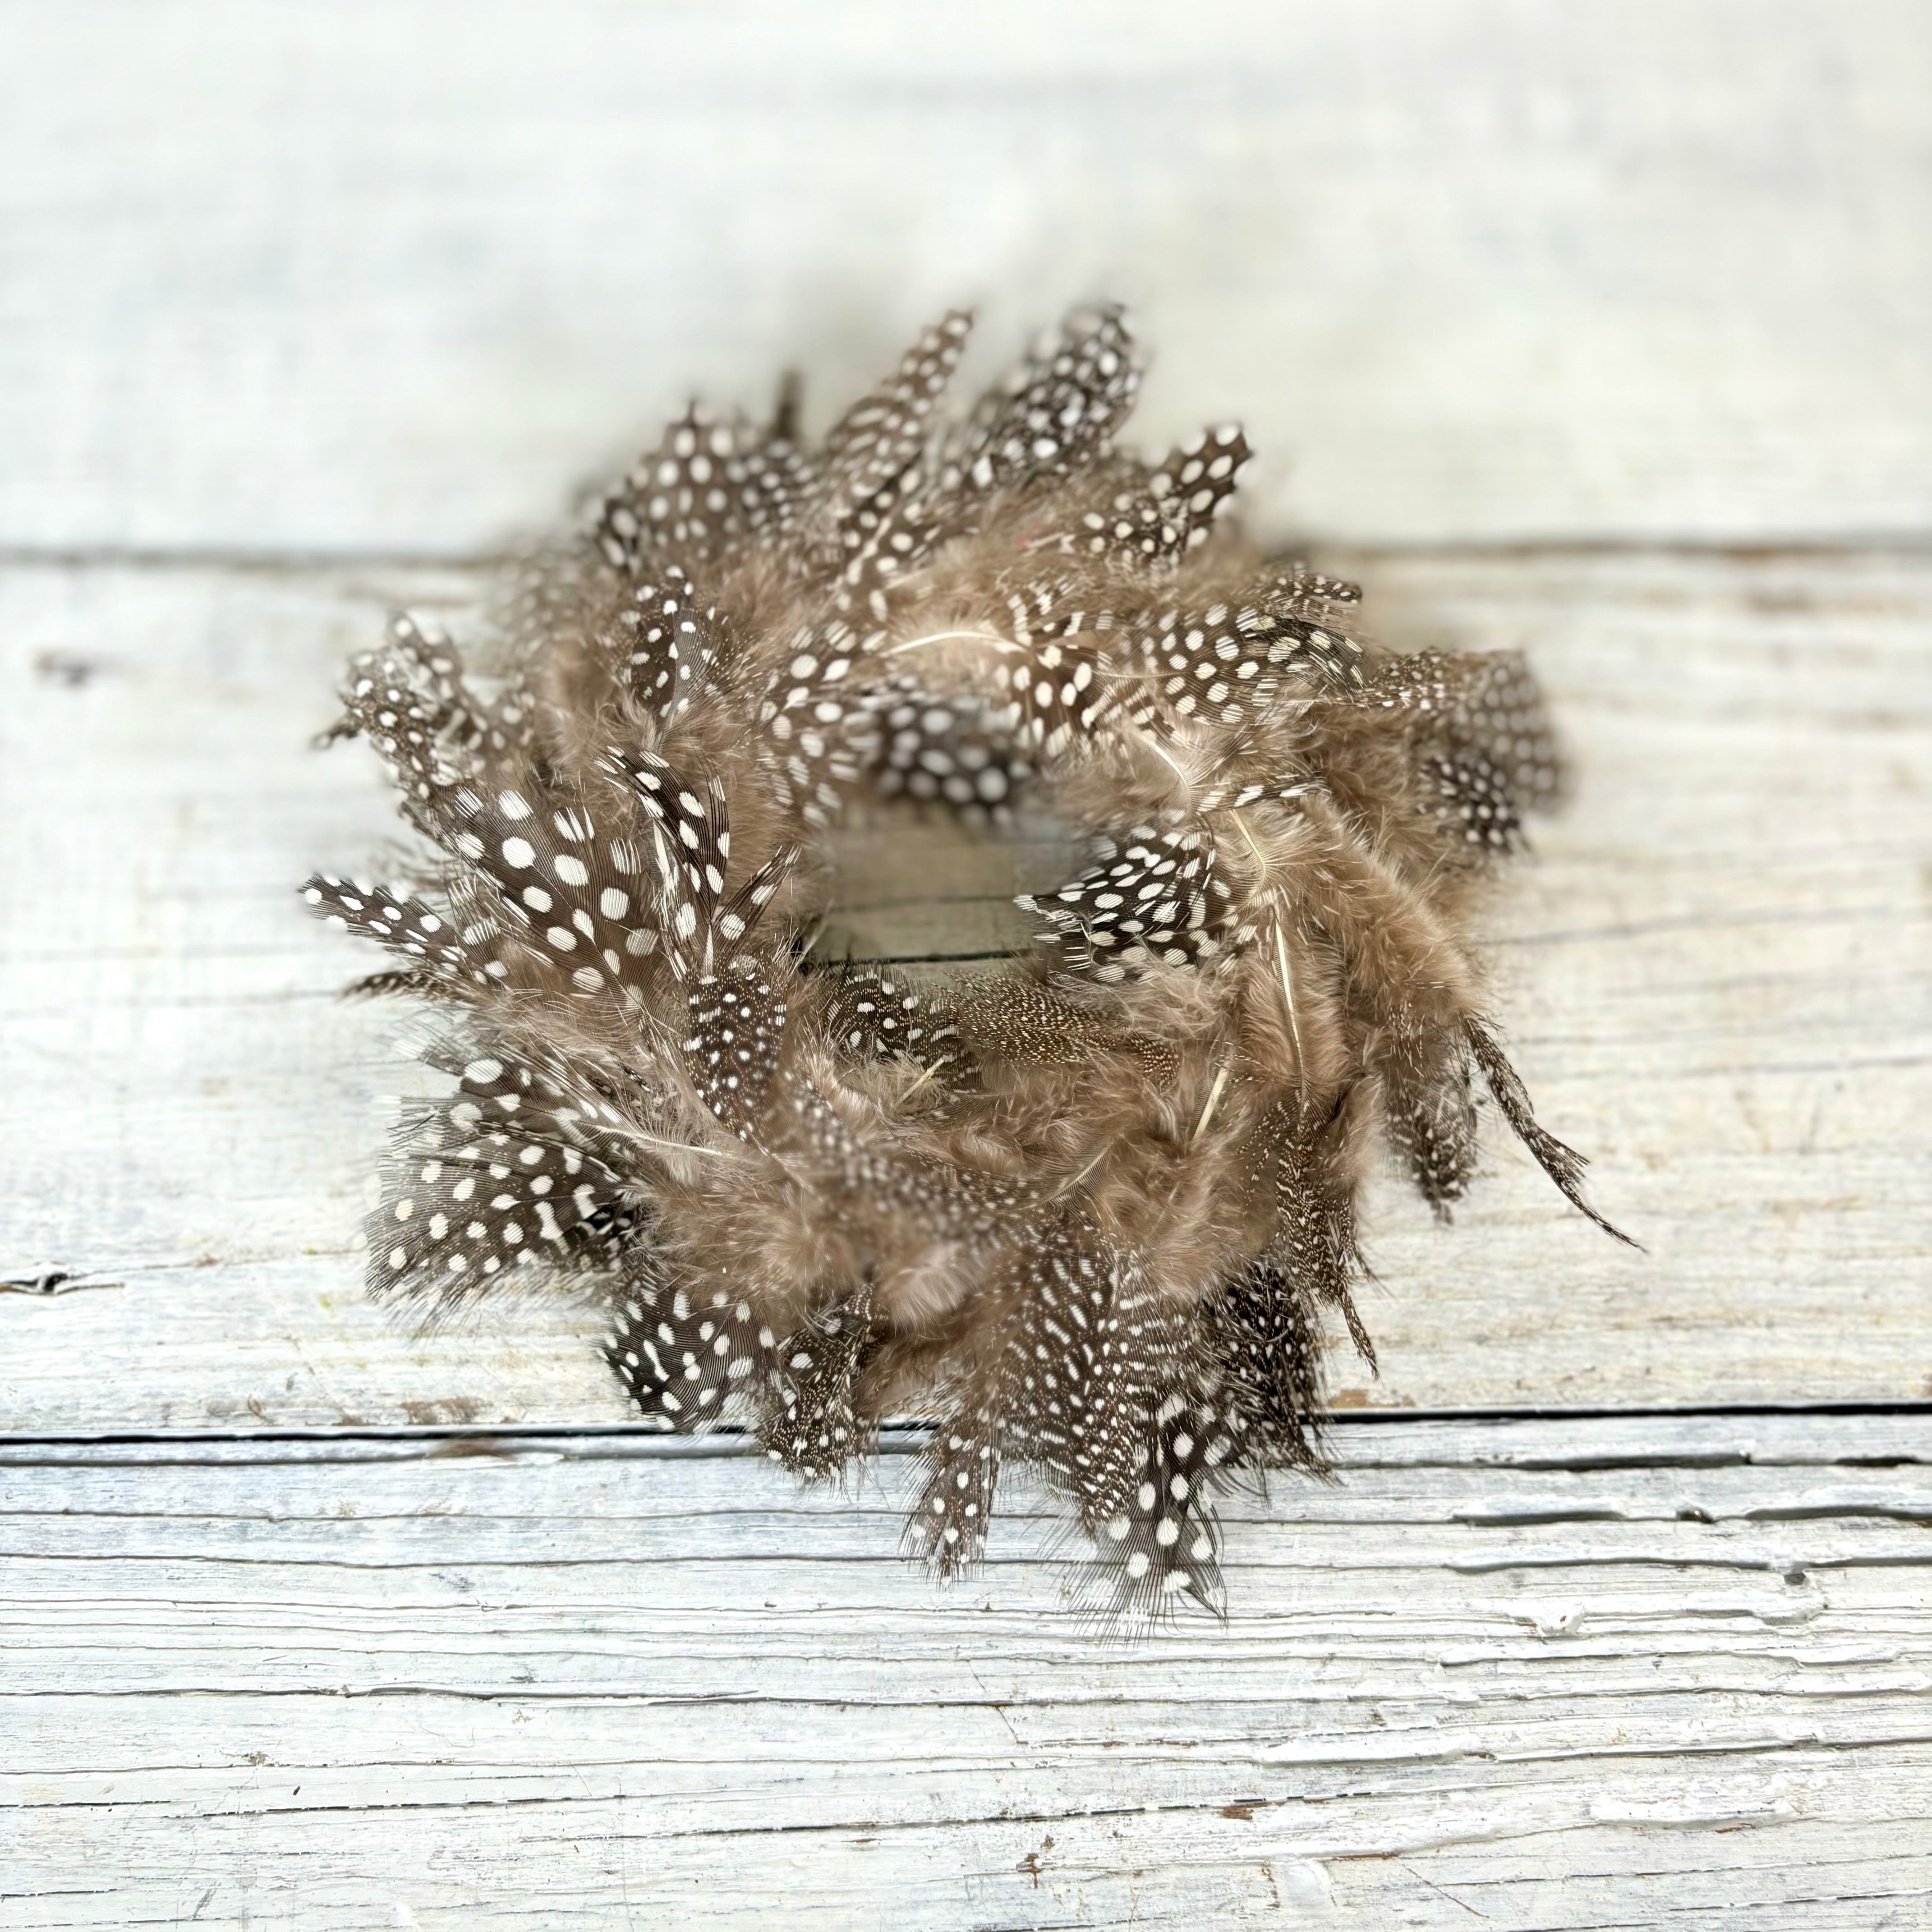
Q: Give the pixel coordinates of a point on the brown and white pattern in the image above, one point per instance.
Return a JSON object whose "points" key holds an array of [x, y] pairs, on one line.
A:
{"points": [[1096, 1210]]}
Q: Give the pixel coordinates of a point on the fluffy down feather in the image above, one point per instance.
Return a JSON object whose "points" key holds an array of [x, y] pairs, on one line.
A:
{"points": [[1090, 1211]]}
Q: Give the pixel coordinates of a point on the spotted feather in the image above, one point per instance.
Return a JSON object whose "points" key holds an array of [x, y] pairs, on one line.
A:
{"points": [[952, 750], [689, 1354], [1152, 518], [410, 700], [672, 644], [1056, 412], [870, 1017], [731, 1053], [1154, 898], [810, 1424], [886, 432], [440, 953], [510, 1173], [708, 485], [577, 885]]}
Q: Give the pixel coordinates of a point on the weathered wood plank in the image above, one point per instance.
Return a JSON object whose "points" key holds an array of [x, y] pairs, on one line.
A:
{"points": [[1715, 975], [356, 283], [352, 278], [1550, 1674]]}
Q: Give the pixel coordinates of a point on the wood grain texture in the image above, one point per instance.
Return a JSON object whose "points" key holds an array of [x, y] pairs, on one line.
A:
{"points": [[363, 277], [302, 312], [1715, 974], [1544, 1675]]}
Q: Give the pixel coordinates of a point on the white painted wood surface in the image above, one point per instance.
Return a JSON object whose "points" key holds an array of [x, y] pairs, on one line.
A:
{"points": [[1533, 311], [1540, 1675], [1716, 974], [390, 277]]}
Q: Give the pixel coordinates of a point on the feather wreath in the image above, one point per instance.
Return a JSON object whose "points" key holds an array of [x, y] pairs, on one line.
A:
{"points": [[1093, 1212]]}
